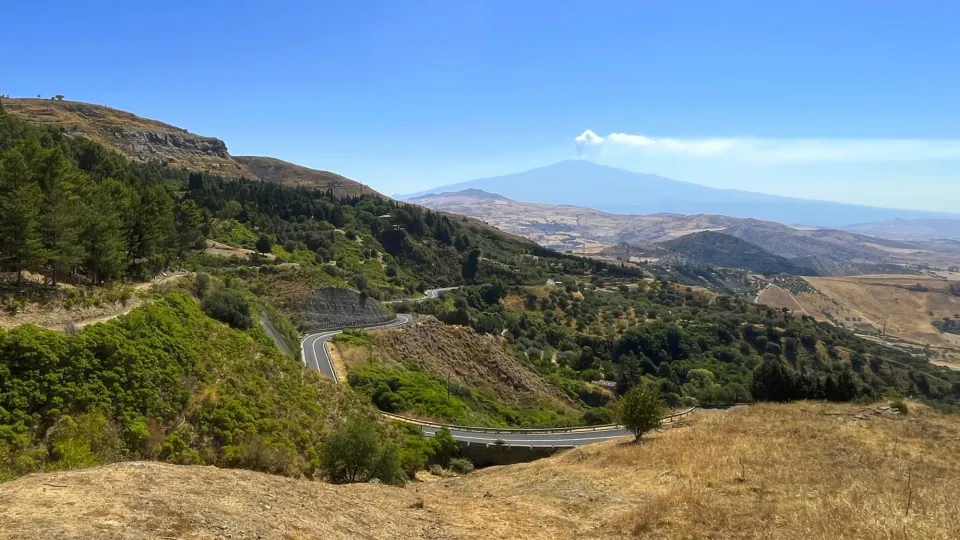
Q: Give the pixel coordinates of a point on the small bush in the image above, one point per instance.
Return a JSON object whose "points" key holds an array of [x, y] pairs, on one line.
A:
{"points": [[201, 285], [900, 406], [461, 465], [228, 307]]}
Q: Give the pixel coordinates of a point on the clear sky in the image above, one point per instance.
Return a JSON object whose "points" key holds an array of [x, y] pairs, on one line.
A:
{"points": [[840, 100]]}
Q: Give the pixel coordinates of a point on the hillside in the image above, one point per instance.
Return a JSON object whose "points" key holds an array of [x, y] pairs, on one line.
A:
{"points": [[290, 174], [775, 472], [719, 249], [148, 140], [585, 230], [566, 227], [482, 369], [138, 138], [910, 229], [580, 182], [906, 307]]}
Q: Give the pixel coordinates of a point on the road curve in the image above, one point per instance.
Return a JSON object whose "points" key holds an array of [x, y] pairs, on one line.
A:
{"points": [[314, 353]]}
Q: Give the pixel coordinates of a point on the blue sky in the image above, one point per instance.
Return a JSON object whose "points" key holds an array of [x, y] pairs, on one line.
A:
{"points": [[848, 101]]}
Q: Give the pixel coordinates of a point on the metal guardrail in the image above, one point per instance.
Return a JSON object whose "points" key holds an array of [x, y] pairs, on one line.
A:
{"points": [[670, 418]]}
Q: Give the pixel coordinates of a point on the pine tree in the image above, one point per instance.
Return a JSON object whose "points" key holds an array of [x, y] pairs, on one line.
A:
{"points": [[154, 231], [20, 245], [64, 189], [471, 266], [103, 234], [190, 226]]}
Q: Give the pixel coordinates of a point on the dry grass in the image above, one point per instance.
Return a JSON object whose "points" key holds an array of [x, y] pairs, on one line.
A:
{"points": [[289, 174], [776, 297], [218, 249], [884, 300], [802, 471]]}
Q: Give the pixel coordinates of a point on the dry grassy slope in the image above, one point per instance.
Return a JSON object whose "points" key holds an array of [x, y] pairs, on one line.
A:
{"points": [[289, 174], [135, 137], [799, 471], [883, 300], [478, 361]]}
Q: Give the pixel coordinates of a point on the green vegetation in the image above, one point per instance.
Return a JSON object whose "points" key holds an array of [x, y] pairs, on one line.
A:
{"points": [[357, 453], [166, 382], [948, 325], [641, 409], [694, 347], [227, 306], [415, 392], [68, 206]]}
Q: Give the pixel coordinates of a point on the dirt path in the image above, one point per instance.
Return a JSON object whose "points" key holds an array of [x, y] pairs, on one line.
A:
{"points": [[60, 319], [775, 296]]}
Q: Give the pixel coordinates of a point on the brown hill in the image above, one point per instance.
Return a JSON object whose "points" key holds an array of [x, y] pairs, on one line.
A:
{"points": [[144, 139], [799, 471], [290, 174], [135, 137], [585, 230]]}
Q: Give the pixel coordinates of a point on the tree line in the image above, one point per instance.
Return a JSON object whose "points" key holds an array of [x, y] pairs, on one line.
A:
{"points": [[69, 207]]}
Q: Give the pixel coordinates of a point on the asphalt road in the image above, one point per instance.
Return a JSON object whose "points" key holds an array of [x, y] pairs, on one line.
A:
{"points": [[314, 353], [435, 293]]}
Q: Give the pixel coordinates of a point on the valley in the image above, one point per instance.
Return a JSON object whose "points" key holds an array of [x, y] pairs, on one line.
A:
{"points": [[648, 237]]}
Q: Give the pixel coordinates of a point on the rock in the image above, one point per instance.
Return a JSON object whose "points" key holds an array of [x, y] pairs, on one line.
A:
{"points": [[332, 307]]}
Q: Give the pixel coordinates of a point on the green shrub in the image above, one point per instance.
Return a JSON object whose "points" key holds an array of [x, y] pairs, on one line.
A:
{"points": [[358, 453], [201, 285], [444, 447], [598, 416], [227, 306], [461, 465], [900, 406]]}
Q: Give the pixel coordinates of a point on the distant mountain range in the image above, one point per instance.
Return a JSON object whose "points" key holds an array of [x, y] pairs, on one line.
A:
{"points": [[583, 230], [588, 184]]}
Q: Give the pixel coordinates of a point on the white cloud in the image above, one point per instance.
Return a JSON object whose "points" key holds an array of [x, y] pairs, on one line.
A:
{"points": [[783, 150], [589, 137]]}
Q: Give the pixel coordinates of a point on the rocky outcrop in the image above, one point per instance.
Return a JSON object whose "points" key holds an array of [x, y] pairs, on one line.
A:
{"points": [[133, 136], [331, 308], [143, 142]]}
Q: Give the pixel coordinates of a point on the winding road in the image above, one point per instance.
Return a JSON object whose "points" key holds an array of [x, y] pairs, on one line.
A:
{"points": [[314, 353]]}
